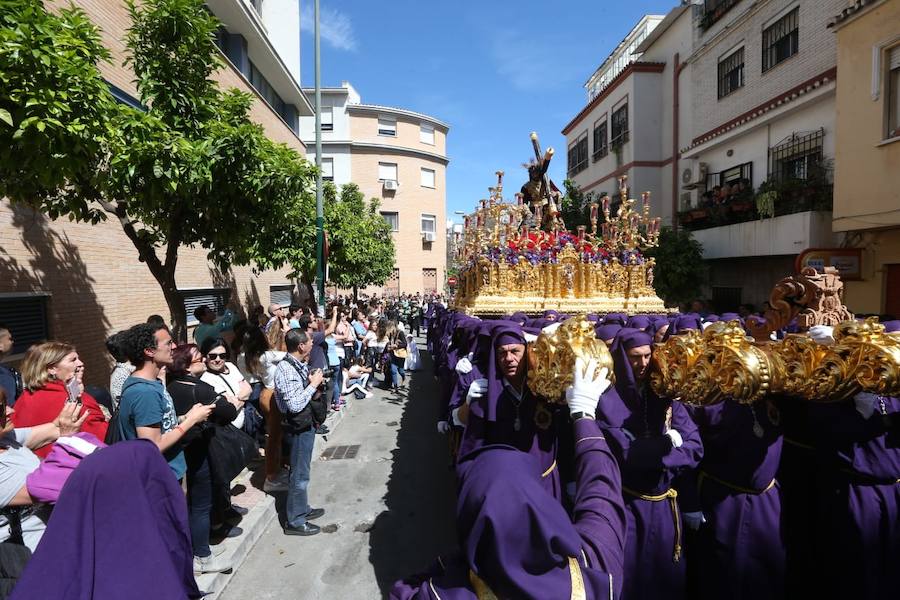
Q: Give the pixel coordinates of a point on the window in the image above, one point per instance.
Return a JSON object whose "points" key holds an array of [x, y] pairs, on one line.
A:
{"points": [[428, 178], [731, 72], [619, 126], [261, 85], [392, 287], [780, 40], [393, 219], [327, 118], [726, 298], [215, 298], [26, 317], [731, 175], [893, 92], [798, 156], [601, 148], [281, 295], [257, 6], [578, 155], [426, 134], [387, 126], [328, 169], [713, 10], [429, 280], [428, 223], [387, 171]]}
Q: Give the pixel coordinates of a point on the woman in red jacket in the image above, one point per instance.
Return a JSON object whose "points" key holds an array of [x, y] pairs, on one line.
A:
{"points": [[46, 369]]}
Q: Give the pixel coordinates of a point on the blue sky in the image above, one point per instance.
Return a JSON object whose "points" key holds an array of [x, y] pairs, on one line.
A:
{"points": [[493, 70]]}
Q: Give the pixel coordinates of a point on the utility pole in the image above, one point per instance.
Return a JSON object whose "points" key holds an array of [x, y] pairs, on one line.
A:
{"points": [[320, 212]]}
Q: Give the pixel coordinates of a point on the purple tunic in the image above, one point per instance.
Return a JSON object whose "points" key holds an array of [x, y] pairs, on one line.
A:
{"points": [[740, 548], [119, 530], [518, 540], [859, 494]]}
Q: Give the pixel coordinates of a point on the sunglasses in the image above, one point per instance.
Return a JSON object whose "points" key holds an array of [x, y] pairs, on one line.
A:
{"points": [[216, 355]]}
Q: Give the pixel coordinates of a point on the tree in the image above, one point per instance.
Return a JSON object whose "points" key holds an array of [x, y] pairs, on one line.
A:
{"points": [[680, 271], [191, 170], [575, 206], [54, 104]]}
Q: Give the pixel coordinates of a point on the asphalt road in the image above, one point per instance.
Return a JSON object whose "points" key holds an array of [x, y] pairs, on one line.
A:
{"points": [[389, 509]]}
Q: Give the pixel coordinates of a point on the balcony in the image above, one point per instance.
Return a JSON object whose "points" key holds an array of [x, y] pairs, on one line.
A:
{"points": [[713, 10]]}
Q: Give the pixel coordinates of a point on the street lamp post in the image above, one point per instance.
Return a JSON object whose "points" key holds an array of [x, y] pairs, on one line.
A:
{"points": [[320, 213]]}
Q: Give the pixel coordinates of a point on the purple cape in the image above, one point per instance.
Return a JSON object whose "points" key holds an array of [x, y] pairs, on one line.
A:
{"points": [[119, 530]]}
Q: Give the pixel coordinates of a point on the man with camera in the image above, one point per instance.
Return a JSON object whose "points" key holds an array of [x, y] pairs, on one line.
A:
{"points": [[298, 392]]}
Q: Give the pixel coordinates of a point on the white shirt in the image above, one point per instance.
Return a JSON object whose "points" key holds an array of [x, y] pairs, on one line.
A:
{"points": [[268, 361], [227, 383]]}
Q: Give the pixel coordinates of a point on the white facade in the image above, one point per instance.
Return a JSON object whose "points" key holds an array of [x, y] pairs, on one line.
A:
{"points": [[647, 87], [336, 142], [623, 55], [281, 19]]}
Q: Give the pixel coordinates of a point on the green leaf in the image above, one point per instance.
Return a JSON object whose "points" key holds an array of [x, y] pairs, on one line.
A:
{"points": [[6, 117]]}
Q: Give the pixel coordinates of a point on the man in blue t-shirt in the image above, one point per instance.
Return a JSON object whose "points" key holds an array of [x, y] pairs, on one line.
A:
{"points": [[10, 380], [146, 409]]}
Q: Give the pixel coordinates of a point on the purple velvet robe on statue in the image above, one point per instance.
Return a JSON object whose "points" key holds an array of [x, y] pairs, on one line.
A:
{"points": [[518, 540], [650, 464], [119, 530], [740, 550]]}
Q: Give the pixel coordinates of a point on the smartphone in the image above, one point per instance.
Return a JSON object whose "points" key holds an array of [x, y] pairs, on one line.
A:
{"points": [[74, 390]]}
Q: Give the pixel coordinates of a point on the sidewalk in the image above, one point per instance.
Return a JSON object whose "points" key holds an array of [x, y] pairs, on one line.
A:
{"points": [[247, 493]]}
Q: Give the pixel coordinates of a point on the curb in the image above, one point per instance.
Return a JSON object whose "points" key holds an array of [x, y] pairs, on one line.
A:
{"points": [[261, 507]]}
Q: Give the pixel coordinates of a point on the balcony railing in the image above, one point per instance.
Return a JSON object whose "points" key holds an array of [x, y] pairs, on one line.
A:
{"points": [[713, 10], [772, 200]]}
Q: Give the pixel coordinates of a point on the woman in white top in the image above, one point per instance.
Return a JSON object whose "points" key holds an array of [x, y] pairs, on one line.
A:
{"points": [[356, 377], [258, 361], [224, 376]]}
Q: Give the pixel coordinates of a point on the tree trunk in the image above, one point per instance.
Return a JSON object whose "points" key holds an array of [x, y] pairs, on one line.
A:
{"points": [[355, 294]]}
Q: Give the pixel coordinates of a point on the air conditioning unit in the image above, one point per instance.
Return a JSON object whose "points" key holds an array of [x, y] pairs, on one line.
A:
{"points": [[428, 236], [390, 184], [695, 176]]}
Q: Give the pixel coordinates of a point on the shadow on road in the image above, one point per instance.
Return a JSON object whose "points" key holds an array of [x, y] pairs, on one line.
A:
{"points": [[419, 522]]}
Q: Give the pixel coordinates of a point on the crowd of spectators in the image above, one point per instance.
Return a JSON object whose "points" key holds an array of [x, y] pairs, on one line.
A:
{"points": [[203, 407]]}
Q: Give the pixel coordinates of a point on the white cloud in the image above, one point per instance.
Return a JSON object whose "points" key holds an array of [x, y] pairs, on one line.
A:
{"points": [[334, 26]]}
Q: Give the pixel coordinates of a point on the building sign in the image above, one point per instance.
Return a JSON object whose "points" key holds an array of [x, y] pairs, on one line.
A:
{"points": [[451, 281], [848, 261]]}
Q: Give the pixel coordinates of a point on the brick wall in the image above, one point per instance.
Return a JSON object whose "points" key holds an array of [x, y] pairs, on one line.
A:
{"points": [[95, 281], [817, 53]]}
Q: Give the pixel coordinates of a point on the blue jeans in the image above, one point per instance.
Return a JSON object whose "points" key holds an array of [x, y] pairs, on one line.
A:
{"points": [[199, 497], [397, 370], [337, 381], [301, 445]]}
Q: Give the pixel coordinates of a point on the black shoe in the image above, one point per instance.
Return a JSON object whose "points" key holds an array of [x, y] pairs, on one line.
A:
{"points": [[323, 430], [236, 511], [226, 531], [305, 529], [315, 513]]}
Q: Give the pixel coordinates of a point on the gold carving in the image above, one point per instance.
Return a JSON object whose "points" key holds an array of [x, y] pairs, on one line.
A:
{"points": [[725, 363], [551, 358]]}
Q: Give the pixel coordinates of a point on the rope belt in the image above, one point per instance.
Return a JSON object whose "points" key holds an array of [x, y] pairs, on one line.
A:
{"points": [[863, 479], [671, 495], [704, 475], [797, 444], [483, 592], [549, 470]]}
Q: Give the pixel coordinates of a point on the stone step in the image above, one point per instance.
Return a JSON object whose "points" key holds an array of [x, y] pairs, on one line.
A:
{"points": [[261, 507]]}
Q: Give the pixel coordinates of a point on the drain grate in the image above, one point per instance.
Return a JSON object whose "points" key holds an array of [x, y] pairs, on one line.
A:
{"points": [[340, 452]]}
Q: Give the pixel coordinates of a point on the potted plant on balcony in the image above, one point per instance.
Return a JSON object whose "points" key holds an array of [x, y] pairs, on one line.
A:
{"points": [[766, 198]]}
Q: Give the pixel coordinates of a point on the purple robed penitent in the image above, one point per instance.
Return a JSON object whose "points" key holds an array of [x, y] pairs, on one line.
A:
{"points": [[119, 530], [492, 418], [634, 421], [859, 495], [518, 541], [740, 549]]}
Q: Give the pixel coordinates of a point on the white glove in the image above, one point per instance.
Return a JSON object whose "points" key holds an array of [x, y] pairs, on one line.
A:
{"points": [[675, 437], [822, 334], [529, 337], [705, 324], [693, 520], [584, 393], [866, 403], [464, 365], [549, 329], [454, 416], [478, 389], [443, 427]]}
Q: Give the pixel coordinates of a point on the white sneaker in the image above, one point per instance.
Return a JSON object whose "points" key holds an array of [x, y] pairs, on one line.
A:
{"points": [[211, 564], [369, 394], [275, 485]]}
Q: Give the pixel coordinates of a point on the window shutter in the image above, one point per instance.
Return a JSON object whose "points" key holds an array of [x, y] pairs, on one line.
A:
{"points": [[281, 294], [894, 58], [216, 299], [26, 317]]}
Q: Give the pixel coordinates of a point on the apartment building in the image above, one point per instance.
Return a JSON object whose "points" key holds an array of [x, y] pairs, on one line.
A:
{"points": [[399, 157], [79, 282], [867, 152], [763, 77]]}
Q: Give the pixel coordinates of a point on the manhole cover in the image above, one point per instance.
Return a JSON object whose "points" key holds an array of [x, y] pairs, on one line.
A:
{"points": [[340, 452]]}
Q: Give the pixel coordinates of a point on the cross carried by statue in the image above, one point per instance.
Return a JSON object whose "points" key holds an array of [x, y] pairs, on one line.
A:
{"points": [[540, 193]]}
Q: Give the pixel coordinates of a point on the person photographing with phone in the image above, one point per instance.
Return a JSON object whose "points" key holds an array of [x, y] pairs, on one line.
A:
{"points": [[52, 375], [297, 386]]}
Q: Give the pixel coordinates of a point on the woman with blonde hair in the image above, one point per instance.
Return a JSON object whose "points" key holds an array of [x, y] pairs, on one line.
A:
{"points": [[52, 375]]}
